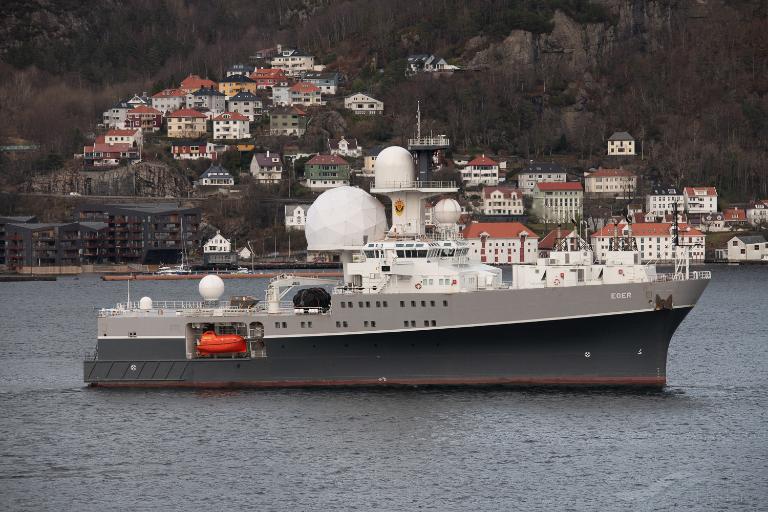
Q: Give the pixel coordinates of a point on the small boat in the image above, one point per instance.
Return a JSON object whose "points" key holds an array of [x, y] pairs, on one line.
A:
{"points": [[212, 343], [177, 270]]}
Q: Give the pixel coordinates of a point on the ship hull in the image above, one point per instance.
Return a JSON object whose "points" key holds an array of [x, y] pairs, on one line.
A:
{"points": [[614, 350]]}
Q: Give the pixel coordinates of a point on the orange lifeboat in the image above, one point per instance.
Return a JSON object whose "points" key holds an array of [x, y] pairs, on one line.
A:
{"points": [[212, 343]]}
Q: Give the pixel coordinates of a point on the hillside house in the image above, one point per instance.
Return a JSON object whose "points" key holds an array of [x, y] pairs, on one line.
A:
{"points": [[558, 202], [239, 69], [187, 123], [207, 99], [369, 160], [363, 104], [748, 248], [654, 240], [700, 199], [328, 83], [539, 172], [230, 126], [245, 103], [144, 118], [343, 147], [322, 172], [661, 201], [234, 84], [501, 243], [296, 216], [757, 213], [215, 176], [169, 100], [266, 78], [110, 153], [427, 63], [288, 121], [267, 168], [502, 201], [194, 82], [619, 183], [481, 170], [305, 94], [293, 61], [115, 116], [193, 150], [621, 144]]}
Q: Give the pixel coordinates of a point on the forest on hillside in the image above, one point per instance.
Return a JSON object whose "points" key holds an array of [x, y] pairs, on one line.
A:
{"points": [[539, 78]]}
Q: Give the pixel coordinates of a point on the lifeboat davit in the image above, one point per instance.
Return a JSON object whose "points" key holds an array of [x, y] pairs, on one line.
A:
{"points": [[212, 343]]}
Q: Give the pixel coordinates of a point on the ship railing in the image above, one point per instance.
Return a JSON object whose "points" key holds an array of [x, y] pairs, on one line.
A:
{"points": [[694, 275]]}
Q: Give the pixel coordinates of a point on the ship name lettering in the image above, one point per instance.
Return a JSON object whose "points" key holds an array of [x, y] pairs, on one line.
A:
{"points": [[621, 295]]}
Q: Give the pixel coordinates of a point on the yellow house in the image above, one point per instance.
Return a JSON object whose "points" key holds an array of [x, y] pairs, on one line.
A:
{"points": [[232, 85], [187, 123]]}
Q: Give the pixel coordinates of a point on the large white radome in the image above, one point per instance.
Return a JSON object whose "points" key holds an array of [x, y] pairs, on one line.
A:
{"points": [[394, 167], [344, 217], [211, 287], [447, 211]]}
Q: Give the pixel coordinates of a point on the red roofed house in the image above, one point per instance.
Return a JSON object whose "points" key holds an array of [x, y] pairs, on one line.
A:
{"points": [[144, 117], [555, 237], [169, 100], [230, 126], [654, 240], [700, 199], [735, 217], [195, 82], [306, 94], [481, 170], [187, 122], [326, 171], [266, 78], [558, 201], [114, 148], [610, 182], [502, 201], [501, 243]]}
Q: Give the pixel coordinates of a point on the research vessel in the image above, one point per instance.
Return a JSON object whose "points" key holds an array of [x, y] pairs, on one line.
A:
{"points": [[411, 309]]}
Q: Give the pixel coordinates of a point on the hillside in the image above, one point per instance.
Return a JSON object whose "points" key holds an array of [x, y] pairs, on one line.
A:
{"points": [[688, 79]]}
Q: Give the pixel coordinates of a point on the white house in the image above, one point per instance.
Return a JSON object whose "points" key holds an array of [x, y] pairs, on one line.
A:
{"points": [[501, 243], [296, 216], [293, 61], [211, 100], [363, 104], [502, 201], [245, 103], [661, 201], [481, 170], [344, 147], [132, 136], [267, 168], [618, 183], [537, 172], [757, 213], [115, 116], [369, 160], [306, 94], [655, 240], [217, 244], [621, 144], [427, 63], [558, 202], [748, 248], [169, 100], [281, 95], [700, 199], [230, 126], [216, 176]]}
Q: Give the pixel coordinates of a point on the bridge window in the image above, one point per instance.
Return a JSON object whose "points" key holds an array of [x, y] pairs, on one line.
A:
{"points": [[385, 304], [432, 303], [402, 303], [343, 304], [373, 323], [413, 323], [445, 303]]}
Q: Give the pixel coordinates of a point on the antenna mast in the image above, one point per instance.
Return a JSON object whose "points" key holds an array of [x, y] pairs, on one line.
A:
{"points": [[418, 119]]}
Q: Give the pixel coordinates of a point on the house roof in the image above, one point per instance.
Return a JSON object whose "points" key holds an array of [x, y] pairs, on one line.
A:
{"points": [[216, 172], [735, 214], [557, 187], [267, 161], [18, 218], [548, 242], [317, 75], [665, 191], [371, 98], [131, 208], [542, 168], [193, 82], [700, 191], [293, 110], [650, 229], [374, 151], [304, 87], [230, 116], [207, 92], [289, 208], [237, 79], [170, 93], [482, 160], [327, 160], [120, 133], [498, 230], [603, 173], [244, 96], [187, 112], [507, 191], [143, 109], [621, 136], [268, 73], [755, 239]]}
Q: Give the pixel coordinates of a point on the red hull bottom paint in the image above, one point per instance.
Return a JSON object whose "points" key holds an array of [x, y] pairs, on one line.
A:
{"points": [[655, 382]]}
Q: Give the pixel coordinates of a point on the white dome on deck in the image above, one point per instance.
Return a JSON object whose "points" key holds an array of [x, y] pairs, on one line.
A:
{"points": [[343, 217], [394, 166], [211, 287], [447, 211]]}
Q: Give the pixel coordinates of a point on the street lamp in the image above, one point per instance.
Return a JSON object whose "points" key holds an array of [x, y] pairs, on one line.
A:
{"points": [[250, 248]]}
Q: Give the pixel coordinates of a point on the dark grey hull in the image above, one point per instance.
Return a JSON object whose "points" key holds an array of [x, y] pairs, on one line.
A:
{"points": [[622, 350]]}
